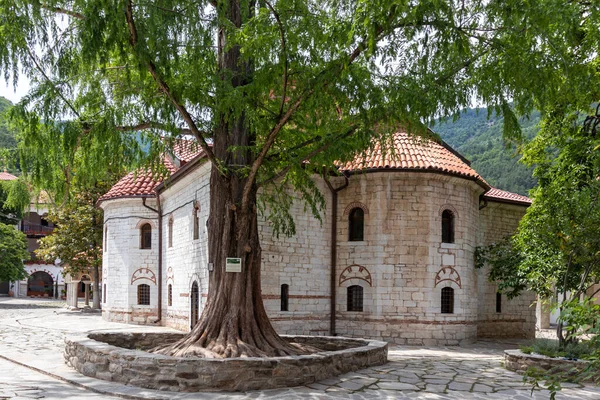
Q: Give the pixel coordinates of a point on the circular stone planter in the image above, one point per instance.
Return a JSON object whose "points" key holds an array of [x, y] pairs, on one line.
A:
{"points": [[516, 360], [120, 357]]}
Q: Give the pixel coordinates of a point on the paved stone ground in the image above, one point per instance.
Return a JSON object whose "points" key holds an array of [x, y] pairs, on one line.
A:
{"points": [[31, 367]]}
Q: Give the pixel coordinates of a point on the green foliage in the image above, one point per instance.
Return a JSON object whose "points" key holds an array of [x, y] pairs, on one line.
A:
{"points": [[77, 236], [478, 135], [316, 81], [8, 141], [13, 251], [552, 348], [14, 198]]}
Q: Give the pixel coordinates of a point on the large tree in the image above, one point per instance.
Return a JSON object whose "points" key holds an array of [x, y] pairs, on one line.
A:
{"points": [[275, 93]]}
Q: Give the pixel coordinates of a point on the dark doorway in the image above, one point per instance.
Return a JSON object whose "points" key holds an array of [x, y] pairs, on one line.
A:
{"points": [[40, 283], [195, 305], [4, 288]]}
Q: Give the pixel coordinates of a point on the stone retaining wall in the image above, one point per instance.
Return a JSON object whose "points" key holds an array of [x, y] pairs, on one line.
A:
{"points": [[516, 360], [119, 357]]}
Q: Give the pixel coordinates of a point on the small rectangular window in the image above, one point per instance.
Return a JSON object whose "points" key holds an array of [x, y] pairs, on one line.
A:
{"points": [[285, 297], [104, 294], [170, 295], [498, 302], [447, 300]]}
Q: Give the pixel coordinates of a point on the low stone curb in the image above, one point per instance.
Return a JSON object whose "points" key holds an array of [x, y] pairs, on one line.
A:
{"points": [[118, 357], [517, 361]]}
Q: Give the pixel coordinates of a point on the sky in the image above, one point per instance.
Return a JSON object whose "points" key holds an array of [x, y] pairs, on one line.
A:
{"points": [[8, 90]]}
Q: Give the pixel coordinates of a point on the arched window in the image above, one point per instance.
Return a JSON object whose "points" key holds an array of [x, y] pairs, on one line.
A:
{"points": [[143, 295], [356, 227], [447, 300], [171, 231], [498, 302], [196, 223], [170, 295], [146, 236], [285, 294], [355, 298], [447, 227]]}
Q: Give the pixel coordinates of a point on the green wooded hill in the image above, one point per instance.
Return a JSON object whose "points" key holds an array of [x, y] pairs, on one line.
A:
{"points": [[8, 141], [479, 139]]}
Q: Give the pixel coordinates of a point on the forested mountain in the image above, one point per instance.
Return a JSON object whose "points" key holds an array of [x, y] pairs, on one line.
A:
{"points": [[479, 139], [8, 142]]}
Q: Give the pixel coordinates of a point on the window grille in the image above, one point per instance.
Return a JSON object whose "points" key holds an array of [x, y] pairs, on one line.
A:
{"points": [[146, 236], [143, 295], [356, 225], [447, 227], [285, 297], [195, 305], [447, 300], [498, 302], [355, 298]]}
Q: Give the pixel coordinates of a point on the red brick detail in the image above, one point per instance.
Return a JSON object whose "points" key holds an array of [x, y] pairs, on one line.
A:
{"points": [[293, 296], [356, 272], [143, 273], [447, 274], [408, 321], [353, 205]]}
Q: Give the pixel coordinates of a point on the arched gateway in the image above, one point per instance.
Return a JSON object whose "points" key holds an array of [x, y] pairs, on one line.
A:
{"points": [[40, 283]]}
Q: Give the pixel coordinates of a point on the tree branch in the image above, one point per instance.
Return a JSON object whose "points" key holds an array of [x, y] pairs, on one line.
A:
{"points": [[60, 10], [352, 56], [283, 55], [311, 154], [47, 78], [164, 87]]}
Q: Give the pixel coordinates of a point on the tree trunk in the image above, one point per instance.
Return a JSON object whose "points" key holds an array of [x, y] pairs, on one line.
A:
{"points": [[234, 322], [87, 294], [96, 290]]}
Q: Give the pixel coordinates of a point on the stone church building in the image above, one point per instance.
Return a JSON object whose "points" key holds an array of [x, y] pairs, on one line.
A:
{"points": [[392, 258]]}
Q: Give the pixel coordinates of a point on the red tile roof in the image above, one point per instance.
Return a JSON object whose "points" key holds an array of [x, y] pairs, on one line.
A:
{"points": [[410, 153], [140, 183], [186, 149], [414, 153], [5, 176], [503, 196]]}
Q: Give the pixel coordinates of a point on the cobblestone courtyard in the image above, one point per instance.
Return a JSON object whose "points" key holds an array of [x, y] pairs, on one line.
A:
{"points": [[31, 367]]}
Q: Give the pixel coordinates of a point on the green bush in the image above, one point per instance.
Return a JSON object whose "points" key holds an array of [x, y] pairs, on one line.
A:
{"points": [[550, 348]]}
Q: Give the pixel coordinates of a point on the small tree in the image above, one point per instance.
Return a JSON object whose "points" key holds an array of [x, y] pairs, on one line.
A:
{"points": [[13, 251], [77, 236]]}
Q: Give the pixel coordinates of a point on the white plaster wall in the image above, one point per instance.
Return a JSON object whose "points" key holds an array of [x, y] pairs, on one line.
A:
{"points": [[122, 257], [187, 260]]}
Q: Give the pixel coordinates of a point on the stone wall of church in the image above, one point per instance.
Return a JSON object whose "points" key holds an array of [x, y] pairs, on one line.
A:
{"points": [[303, 263], [125, 264], [515, 317], [185, 259], [402, 264]]}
